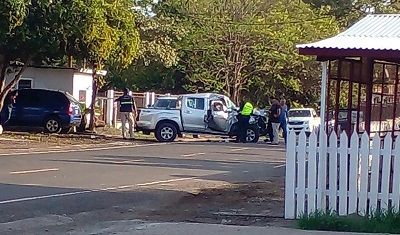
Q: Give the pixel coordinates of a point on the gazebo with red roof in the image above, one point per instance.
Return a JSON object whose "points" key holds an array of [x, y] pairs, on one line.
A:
{"points": [[360, 78]]}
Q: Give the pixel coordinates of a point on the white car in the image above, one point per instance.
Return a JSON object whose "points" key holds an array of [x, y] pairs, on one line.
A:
{"points": [[303, 119]]}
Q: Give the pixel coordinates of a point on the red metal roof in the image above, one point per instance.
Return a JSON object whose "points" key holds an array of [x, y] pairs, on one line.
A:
{"points": [[379, 32]]}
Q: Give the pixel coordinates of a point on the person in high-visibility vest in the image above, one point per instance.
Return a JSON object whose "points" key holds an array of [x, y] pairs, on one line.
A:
{"points": [[127, 108], [245, 111]]}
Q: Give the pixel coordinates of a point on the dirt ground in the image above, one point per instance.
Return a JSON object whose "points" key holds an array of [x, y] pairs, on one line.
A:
{"points": [[257, 203], [19, 142], [244, 204]]}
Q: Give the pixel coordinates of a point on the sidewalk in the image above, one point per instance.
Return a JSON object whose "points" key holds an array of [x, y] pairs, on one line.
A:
{"points": [[134, 227]]}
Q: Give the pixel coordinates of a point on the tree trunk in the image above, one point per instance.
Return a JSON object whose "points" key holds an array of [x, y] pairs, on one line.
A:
{"points": [[5, 89], [93, 104], [70, 62]]}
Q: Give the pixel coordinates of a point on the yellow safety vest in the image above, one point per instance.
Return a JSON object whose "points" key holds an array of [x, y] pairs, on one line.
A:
{"points": [[247, 109]]}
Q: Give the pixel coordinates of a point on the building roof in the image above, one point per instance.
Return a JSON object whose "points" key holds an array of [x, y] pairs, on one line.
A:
{"points": [[378, 32]]}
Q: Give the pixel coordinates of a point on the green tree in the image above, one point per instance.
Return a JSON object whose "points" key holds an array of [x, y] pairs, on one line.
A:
{"points": [[46, 30], [348, 12], [154, 67], [238, 47]]}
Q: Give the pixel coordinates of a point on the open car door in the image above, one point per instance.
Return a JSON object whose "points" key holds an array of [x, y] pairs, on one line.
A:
{"points": [[217, 115]]}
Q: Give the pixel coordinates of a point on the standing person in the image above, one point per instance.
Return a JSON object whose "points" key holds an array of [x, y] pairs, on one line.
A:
{"points": [[10, 107], [246, 109], [127, 108], [269, 123], [284, 118], [275, 120], [288, 104]]}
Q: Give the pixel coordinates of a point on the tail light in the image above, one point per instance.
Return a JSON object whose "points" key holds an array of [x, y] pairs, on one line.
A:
{"points": [[70, 110]]}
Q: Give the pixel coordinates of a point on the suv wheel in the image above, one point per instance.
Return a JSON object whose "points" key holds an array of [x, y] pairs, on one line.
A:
{"points": [[52, 125], [166, 132], [252, 134]]}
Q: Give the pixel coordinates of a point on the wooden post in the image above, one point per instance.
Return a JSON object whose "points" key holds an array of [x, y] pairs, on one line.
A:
{"points": [[395, 100], [337, 95], [368, 73], [350, 102], [321, 193]]}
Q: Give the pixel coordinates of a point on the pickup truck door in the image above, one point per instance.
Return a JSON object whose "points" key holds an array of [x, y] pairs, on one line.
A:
{"points": [[219, 116], [193, 114]]}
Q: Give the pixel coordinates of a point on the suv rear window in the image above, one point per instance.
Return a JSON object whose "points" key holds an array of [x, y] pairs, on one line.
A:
{"points": [[70, 97], [165, 103]]}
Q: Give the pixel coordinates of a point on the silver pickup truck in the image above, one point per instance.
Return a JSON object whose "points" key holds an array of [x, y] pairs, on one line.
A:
{"points": [[205, 113]]}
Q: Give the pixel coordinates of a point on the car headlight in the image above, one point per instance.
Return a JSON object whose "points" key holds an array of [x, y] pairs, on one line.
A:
{"points": [[306, 122]]}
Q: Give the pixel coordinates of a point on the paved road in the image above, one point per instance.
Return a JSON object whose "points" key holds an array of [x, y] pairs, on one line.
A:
{"points": [[64, 183]]}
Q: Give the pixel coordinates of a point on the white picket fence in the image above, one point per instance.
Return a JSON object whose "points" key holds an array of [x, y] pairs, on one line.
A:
{"points": [[334, 174]]}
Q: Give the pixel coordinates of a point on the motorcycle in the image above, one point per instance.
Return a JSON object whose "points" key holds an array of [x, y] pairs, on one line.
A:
{"points": [[259, 118]]}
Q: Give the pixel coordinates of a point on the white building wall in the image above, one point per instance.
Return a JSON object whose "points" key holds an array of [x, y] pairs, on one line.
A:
{"points": [[65, 79], [83, 82], [48, 78]]}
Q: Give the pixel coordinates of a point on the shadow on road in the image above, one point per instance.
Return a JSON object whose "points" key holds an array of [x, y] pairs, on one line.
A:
{"points": [[230, 170], [241, 204]]}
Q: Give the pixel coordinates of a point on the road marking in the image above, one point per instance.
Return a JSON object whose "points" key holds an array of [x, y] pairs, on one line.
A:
{"points": [[192, 154], [81, 150], [33, 171], [129, 161], [279, 166], [165, 181], [239, 149], [92, 191]]}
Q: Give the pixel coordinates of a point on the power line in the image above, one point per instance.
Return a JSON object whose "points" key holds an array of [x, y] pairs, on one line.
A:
{"points": [[264, 24]]}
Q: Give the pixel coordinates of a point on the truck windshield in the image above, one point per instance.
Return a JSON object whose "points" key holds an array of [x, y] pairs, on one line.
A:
{"points": [[230, 104], [299, 113]]}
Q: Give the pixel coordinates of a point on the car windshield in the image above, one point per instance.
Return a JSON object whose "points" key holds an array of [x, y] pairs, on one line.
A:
{"points": [[299, 113], [165, 103]]}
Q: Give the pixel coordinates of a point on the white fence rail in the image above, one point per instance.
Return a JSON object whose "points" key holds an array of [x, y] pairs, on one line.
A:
{"points": [[341, 175]]}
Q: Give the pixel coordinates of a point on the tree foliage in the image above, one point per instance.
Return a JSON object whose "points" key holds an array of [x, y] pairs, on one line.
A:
{"points": [[249, 47], [37, 30], [347, 12], [238, 47], [155, 66]]}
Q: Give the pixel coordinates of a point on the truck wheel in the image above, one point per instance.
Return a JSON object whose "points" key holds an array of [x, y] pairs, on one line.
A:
{"points": [[166, 132], [252, 134]]}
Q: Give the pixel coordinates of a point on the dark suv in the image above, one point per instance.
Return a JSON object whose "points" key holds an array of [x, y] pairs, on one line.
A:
{"points": [[55, 111]]}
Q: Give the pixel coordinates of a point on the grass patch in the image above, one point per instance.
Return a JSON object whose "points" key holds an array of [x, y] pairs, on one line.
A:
{"points": [[379, 222]]}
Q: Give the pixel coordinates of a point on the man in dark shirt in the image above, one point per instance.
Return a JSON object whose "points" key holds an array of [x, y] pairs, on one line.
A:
{"points": [[10, 107], [274, 116], [127, 108]]}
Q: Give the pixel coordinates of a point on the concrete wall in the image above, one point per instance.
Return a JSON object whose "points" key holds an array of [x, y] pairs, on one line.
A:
{"points": [[48, 78]]}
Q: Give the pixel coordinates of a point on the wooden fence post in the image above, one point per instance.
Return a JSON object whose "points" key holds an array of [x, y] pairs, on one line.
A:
{"points": [[290, 179]]}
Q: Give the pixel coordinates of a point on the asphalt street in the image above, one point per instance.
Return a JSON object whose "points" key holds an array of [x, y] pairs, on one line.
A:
{"points": [[71, 182]]}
